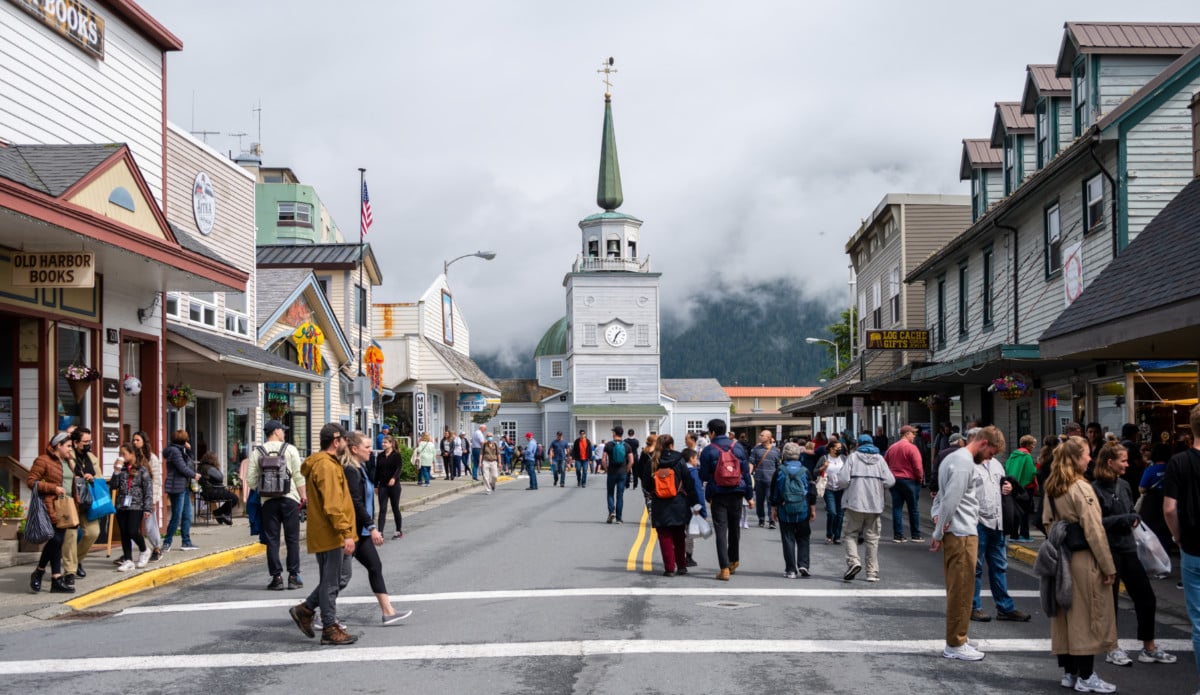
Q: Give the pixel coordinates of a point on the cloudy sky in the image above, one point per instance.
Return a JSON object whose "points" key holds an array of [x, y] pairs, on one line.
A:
{"points": [[753, 136]]}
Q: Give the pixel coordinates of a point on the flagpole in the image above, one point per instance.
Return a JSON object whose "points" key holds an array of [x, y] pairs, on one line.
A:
{"points": [[362, 182]]}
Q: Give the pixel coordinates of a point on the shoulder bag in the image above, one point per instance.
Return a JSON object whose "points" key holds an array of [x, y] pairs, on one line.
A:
{"points": [[66, 512], [1075, 538]]}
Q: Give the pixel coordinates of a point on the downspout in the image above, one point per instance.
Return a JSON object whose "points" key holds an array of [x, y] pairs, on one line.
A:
{"points": [[1016, 285], [1112, 185]]}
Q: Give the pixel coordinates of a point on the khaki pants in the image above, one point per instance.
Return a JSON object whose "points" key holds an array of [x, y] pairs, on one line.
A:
{"points": [[491, 471], [868, 525], [958, 562], [74, 550]]}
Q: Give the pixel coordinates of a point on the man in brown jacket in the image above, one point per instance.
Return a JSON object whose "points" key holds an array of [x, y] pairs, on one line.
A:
{"points": [[331, 535]]}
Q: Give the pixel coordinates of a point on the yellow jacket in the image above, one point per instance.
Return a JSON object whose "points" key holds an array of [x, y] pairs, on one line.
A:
{"points": [[330, 509]]}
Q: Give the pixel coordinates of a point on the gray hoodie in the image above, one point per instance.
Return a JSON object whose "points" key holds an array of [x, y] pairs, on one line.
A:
{"points": [[864, 477]]}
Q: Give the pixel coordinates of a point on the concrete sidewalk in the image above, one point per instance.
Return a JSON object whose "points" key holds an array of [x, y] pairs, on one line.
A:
{"points": [[218, 546]]}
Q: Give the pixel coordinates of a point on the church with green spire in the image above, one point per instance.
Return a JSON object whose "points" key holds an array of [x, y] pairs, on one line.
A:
{"points": [[598, 367]]}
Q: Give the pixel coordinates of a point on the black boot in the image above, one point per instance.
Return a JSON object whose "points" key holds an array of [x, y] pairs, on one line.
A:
{"points": [[35, 580], [59, 586], [69, 579], [79, 571]]}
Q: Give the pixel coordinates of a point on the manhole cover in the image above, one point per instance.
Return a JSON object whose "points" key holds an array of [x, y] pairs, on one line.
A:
{"points": [[728, 605], [84, 615]]}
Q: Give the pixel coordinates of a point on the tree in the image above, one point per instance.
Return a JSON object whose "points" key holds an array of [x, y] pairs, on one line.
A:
{"points": [[841, 335]]}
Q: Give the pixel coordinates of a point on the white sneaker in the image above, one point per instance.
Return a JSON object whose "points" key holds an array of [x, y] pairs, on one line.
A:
{"points": [[964, 651], [144, 558], [1118, 657], [125, 566], [1094, 684], [1158, 656], [1068, 680]]}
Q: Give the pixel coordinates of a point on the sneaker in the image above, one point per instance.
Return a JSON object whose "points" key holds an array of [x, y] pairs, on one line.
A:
{"points": [[620, 520], [395, 617], [1014, 615], [119, 561], [682, 570], [668, 573], [144, 558], [1094, 684], [294, 582], [803, 571], [1068, 680], [872, 577], [981, 616], [1024, 539], [189, 546], [691, 562], [761, 523], [1158, 656], [828, 541], [125, 566], [917, 539], [852, 572], [163, 550], [789, 575], [611, 517], [35, 580], [303, 616], [276, 584], [400, 534], [771, 526], [899, 539], [964, 652], [1117, 657]]}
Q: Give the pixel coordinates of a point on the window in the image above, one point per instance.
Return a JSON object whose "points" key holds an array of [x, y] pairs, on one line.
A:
{"points": [[940, 324], [633, 249], [1093, 209], [877, 303], [695, 426], [894, 286], [593, 248], [556, 369], [508, 429], [987, 287], [614, 248], [642, 337], [1045, 144], [173, 305], [962, 300], [1053, 241], [874, 243], [236, 320], [360, 307], [617, 383], [203, 308], [1011, 173], [1079, 96], [295, 214], [862, 318], [977, 200], [589, 334], [324, 283]]}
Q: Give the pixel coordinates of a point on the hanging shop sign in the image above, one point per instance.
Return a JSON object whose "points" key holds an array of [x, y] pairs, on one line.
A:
{"points": [[897, 340], [204, 203], [308, 339], [54, 269], [471, 402], [72, 19], [419, 412]]}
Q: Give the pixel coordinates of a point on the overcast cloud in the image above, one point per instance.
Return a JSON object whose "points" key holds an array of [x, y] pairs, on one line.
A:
{"points": [[753, 136]]}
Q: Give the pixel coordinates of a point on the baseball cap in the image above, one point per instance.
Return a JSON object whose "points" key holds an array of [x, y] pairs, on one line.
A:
{"points": [[528, 435], [387, 428], [271, 426], [956, 438], [905, 429]]}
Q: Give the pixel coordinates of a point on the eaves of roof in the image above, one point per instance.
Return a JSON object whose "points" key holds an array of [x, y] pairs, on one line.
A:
{"points": [[1124, 38], [1041, 81]]}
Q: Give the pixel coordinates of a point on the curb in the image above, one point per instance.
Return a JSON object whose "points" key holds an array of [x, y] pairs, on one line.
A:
{"points": [[439, 495], [165, 575], [1022, 554]]}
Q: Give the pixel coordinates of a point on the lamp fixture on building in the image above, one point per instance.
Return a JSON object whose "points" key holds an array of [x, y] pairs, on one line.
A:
{"points": [[485, 255], [837, 362]]}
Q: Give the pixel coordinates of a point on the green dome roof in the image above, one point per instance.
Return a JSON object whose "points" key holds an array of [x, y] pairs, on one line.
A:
{"points": [[554, 342]]}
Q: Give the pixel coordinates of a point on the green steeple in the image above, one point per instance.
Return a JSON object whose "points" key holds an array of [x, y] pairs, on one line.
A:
{"points": [[608, 191]]}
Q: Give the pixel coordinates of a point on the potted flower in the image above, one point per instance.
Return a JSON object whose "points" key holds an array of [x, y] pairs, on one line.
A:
{"points": [[80, 377], [11, 512], [1011, 385], [277, 409], [179, 395], [934, 401]]}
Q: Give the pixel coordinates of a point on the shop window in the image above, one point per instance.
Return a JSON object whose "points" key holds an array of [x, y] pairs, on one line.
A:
{"points": [[74, 344], [202, 308]]}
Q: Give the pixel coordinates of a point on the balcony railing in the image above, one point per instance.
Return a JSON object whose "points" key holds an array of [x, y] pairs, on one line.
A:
{"points": [[594, 264]]}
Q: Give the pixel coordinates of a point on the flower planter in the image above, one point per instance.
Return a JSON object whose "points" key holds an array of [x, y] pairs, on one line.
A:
{"points": [[1013, 395], [8, 529], [79, 388], [179, 403]]}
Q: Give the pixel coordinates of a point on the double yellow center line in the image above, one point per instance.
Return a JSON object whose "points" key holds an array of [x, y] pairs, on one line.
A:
{"points": [[650, 537]]}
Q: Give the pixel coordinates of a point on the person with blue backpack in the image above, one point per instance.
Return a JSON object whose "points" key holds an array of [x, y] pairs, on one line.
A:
{"points": [[618, 462], [793, 501]]}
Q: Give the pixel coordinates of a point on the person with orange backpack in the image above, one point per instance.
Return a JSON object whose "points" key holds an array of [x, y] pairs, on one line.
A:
{"points": [[726, 476], [674, 499]]}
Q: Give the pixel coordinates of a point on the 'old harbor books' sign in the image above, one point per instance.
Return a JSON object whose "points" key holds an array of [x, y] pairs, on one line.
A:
{"points": [[897, 340], [74, 20]]}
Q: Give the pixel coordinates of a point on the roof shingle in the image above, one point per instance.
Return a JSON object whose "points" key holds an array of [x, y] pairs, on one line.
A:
{"points": [[1147, 38], [52, 169], [978, 153]]}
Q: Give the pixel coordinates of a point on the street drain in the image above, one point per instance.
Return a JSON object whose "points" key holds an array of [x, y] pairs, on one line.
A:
{"points": [[728, 605], [84, 615]]}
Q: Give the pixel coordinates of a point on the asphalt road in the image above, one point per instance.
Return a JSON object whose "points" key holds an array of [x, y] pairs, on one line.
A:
{"points": [[531, 592]]}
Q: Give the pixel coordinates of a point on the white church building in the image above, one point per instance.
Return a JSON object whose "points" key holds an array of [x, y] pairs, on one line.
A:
{"points": [[598, 367]]}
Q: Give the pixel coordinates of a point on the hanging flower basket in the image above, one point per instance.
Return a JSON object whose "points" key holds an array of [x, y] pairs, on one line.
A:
{"points": [[1011, 385], [179, 395], [935, 401], [277, 409], [80, 377]]}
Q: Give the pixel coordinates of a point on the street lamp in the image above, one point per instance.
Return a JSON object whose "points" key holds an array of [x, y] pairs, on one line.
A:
{"points": [[485, 255], [837, 362]]}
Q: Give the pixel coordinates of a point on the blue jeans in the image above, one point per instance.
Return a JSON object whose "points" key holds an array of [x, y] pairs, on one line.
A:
{"points": [[906, 491], [1189, 571], [993, 549], [423, 475], [475, 463], [181, 507], [616, 494], [834, 514], [530, 468], [559, 467], [581, 471]]}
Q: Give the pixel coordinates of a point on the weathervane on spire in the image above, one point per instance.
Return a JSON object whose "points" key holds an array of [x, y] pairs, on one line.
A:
{"points": [[607, 69]]}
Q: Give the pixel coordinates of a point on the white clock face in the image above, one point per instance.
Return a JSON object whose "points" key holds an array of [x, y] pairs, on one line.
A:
{"points": [[616, 335]]}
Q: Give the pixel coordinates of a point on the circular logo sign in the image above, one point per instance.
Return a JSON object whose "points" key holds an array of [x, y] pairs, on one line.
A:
{"points": [[204, 203]]}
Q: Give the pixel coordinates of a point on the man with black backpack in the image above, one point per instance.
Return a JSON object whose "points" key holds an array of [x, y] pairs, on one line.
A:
{"points": [[274, 473]]}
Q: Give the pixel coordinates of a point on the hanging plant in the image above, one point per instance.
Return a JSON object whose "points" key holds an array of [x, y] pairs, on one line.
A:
{"points": [[1011, 385], [78, 371], [277, 409], [934, 401], [179, 395]]}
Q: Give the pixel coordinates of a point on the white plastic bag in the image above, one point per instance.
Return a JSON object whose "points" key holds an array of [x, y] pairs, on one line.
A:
{"points": [[699, 527], [1150, 551]]}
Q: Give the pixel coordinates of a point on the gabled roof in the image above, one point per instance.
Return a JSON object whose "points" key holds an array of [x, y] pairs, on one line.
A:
{"points": [[319, 257], [979, 154], [1138, 98], [693, 390], [523, 391], [278, 289], [1161, 258], [274, 287], [1145, 38], [145, 24], [1010, 121], [1041, 81], [52, 169], [241, 353], [462, 365]]}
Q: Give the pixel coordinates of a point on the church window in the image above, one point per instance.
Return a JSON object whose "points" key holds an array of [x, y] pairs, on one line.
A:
{"points": [[614, 248], [556, 368], [643, 335], [589, 334], [633, 249], [617, 383], [593, 248]]}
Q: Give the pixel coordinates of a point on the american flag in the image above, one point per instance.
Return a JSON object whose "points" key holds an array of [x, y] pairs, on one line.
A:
{"points": [[367, 219]]}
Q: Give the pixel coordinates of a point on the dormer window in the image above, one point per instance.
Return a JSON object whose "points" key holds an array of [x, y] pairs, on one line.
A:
{"points": [[1011, 175], [1080, 96], [1045, 151], [977, 203]]}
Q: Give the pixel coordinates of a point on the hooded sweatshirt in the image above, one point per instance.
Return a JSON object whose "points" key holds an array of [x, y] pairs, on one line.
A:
{"points": [[864, 477]]}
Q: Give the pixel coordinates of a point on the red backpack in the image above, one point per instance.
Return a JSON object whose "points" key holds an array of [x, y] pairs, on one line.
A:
{"points": [[729, 468]]}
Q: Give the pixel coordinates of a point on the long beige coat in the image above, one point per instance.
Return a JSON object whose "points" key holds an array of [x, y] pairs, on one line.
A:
{"points": [[1090, 626]]}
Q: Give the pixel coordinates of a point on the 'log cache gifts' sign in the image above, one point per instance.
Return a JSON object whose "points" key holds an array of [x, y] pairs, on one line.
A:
{"points": [[897, 340]]}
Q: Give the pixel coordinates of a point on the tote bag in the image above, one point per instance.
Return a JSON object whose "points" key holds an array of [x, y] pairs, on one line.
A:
{"points": [[38, 528], [66, 512], [1150, 551], [102, 504]]}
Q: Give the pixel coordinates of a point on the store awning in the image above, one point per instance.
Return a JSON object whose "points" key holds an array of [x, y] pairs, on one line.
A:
{"points": [[465, 369], [616, 410], [234, 360]]}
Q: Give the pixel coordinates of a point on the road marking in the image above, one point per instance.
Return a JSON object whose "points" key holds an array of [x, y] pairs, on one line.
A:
{"points": [[588, 592], [631, 561], [506, 650], [648, 556]]}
